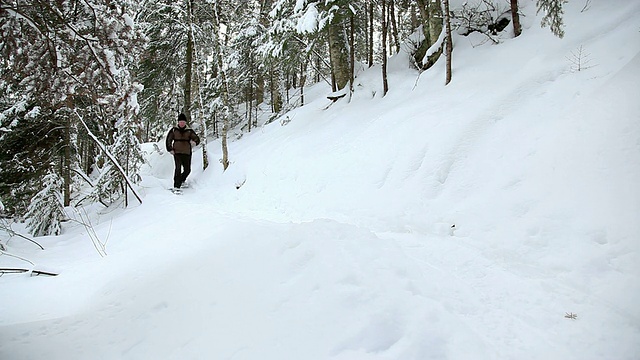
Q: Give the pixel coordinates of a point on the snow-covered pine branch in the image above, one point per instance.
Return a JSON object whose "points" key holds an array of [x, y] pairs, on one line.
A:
{"points": [[110, 157], [46, 211]]}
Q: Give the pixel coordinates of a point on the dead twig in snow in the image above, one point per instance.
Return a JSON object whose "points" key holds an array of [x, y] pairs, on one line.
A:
{"points": [[571, 316]]}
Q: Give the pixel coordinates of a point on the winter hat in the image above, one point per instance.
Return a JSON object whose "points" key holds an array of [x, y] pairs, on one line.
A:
{"points": [[182, 117]]}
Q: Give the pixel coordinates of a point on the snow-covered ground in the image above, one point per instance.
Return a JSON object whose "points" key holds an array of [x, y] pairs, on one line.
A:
{"points": [[458, 222]]}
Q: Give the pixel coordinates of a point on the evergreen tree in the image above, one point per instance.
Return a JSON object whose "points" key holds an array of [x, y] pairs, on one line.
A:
{"points": [[285, 48], [60, 58], [46, 211], [552, 15], [161, 67], [247, 65], [29, 146], [315, 20], [126, 150], [285, 42]]}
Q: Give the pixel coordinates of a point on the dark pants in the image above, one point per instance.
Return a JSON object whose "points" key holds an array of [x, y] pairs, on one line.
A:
{"points": [[182, 161]]}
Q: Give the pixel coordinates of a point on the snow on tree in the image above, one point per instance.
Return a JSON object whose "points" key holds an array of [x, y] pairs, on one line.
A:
{"points": [[62, 58], [46, 210], [552, 15], [126, 151]]}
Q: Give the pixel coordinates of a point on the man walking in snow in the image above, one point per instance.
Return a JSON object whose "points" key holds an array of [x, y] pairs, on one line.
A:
{"points": [[180, 141]]}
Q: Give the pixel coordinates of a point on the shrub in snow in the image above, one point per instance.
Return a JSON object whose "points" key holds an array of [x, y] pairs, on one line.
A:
{"points": [[46, 210]]}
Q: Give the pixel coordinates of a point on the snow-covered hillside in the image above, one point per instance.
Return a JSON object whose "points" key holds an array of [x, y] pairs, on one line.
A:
{"points": [[468, 221]]}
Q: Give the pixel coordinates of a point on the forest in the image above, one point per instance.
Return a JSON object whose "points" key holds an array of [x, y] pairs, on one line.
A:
{"points": [[84, 82]]}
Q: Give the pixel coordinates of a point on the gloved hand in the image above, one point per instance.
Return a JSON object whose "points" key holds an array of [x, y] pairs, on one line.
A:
{"points": [[193, 143], [172, 152]]}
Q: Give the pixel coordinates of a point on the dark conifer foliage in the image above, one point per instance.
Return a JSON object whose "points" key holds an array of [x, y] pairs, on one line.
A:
{"points": [[59, 58]]}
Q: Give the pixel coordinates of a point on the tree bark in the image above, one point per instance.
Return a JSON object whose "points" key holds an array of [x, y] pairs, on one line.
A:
{"points": [[66, 167], [187, 79], [332, 74], [394, 27], [189, 64], [203, 124], [370, 35], [352, 51], [431, 20], [414, 17], [385, 84], [265, 7], [303, 80], [449, 42], [189, 84], [338, 49], [276, 98], [225, 148], [228, 108], [515, 18], [436, 20]]}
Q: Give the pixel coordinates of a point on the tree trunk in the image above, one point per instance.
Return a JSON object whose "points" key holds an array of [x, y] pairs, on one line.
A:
{"points": [[435, 21], [265, 7], [318, 67], [187, 79], [414, 17], [66, 167], [249, 94], [203, 124], [338, 50], [225, 89], [225, 148], [515, 17], [249, 111], [124, 184], [394, 27], [370, 37], [352, 51], [191, 56], [188, 66], [449, 46], [276, 98], [205, 154], [422, 47], [385, 84], [423, 9], [333, 76], [303, 80], [259, 88]]}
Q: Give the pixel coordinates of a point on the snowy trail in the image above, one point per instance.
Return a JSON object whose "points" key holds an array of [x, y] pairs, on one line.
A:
{"points": [[341, 291], [308, 276]]}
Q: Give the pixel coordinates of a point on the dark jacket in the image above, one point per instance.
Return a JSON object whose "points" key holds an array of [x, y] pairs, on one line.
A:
{"points": [[179, 139]]}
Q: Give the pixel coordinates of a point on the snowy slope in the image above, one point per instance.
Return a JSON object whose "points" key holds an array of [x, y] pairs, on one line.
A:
{"points": [[339, 242]]}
